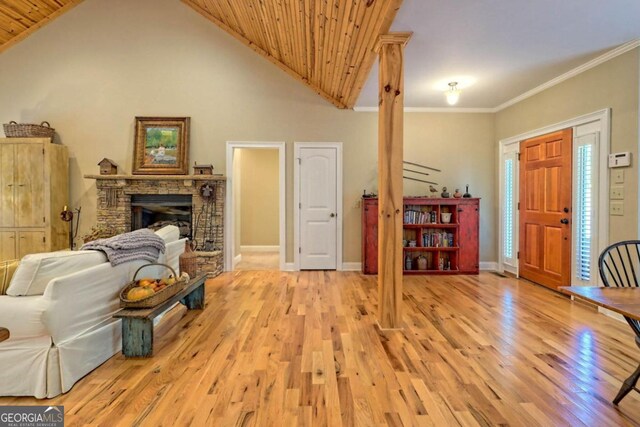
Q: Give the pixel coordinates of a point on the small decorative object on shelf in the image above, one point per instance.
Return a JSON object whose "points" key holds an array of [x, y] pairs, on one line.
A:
{"points": [[202, 169], [407, 262], [457, 194], [422, 262], [445, 217], [445, 194], [433, 191], [466, 194], [108, 167], [366, 195]]}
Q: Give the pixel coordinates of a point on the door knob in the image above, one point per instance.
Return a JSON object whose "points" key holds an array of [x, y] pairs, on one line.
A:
{"points": [[566, 210], [332, 215], [564, 221]]}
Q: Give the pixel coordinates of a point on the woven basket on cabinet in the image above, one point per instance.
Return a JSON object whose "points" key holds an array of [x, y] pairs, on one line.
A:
{"points": [[28, 130]]}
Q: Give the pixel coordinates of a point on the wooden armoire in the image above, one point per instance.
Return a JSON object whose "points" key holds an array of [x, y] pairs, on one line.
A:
{"points": [[34, 189]]}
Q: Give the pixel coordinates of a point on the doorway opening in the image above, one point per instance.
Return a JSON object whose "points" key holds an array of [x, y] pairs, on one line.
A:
{"points": [[541, 230], [255, 220]]}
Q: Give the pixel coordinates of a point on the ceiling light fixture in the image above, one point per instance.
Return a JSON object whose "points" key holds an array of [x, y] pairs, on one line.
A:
{"points": [[453, 93]]}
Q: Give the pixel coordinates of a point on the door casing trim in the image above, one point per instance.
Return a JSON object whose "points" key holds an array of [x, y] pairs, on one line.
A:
{"points": [[604, 117], [297, 146]]}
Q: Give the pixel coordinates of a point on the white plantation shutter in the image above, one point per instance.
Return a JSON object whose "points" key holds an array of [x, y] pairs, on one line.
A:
{"points": [[584, 215], [585, 206], [508, 213], [508, 220]]}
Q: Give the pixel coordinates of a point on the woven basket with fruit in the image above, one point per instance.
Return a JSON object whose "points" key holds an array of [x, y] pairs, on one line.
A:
{"points": [[148, 292]]}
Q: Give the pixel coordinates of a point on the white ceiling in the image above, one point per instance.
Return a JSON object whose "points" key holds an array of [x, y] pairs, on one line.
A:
{"points": [[508, 46]]}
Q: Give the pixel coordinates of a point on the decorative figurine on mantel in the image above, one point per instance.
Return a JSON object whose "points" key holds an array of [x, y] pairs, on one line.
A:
{"points": [[202, 169], [466, 194], [433, 190], [445, 194], [108, 167], [457, 194]]}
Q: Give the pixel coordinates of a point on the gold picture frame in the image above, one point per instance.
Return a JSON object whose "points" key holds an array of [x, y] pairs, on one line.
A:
{"points": [[161, 146]]}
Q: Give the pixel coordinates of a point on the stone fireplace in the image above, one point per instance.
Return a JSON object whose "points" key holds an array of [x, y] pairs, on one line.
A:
{"points": [[126, 202]]}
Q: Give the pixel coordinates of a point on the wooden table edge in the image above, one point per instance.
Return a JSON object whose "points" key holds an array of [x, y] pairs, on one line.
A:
{"points": [[616, 309]]}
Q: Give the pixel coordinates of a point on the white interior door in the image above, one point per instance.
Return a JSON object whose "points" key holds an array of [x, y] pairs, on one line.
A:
{"points": [[318, 208]]}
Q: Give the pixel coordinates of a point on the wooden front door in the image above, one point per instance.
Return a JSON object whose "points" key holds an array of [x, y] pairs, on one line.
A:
{"points": [[545, 209]]}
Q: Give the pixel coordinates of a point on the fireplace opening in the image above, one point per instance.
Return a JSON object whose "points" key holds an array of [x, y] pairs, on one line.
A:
{"points": [[155, 211]]}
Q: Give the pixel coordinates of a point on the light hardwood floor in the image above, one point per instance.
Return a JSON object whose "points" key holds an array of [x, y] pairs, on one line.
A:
{"points": [[276, 349], [258, 261]]}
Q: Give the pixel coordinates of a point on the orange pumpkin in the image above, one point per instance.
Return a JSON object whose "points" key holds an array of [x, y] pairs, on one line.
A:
{"points": [[139, 293], [146, 282]]}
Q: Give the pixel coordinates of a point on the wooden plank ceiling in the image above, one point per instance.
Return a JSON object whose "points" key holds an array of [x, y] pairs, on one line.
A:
{"points": [[19, 18], [326, 44]]}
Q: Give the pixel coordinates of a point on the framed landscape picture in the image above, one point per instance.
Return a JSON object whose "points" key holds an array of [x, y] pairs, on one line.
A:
{"points": [[161, 146]]}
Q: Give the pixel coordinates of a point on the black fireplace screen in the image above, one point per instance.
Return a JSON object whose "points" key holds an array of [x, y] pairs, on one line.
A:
{"points": [[155, 211]]}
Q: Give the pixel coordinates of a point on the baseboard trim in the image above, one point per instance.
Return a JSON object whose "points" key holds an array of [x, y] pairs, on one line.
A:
{"points": [[289, 266], [488, 266], [252, 248], [236, 260], [351, 266]]}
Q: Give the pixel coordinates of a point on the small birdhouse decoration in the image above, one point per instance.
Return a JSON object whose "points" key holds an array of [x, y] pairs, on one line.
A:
{"points": [[108, 167], [202, 169]]}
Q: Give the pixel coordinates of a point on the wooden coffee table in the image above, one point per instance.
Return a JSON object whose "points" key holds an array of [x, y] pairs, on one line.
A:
{"points": [[4, 334], [137, 323]]}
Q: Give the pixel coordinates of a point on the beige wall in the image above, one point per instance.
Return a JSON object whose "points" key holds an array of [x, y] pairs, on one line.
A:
{"points": [[614, 85], [237, 202], [94, 69], [260, 197]]}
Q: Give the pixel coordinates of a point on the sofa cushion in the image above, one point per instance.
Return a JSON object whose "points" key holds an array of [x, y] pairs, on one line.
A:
{"points": [[169, 233], [36, 270], [7, 269], [23, 317]]}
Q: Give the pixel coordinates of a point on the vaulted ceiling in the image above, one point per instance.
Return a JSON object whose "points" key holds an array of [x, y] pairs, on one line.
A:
{"points": [[19, 18], [327, 44]]}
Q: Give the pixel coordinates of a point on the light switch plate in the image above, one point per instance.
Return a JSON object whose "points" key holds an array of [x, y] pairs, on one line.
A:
{"points": [[616, 208], [617, 176], [616, 192]]}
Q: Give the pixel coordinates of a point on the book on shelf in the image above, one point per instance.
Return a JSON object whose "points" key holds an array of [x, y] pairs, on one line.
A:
{"points": [[437, 239]]}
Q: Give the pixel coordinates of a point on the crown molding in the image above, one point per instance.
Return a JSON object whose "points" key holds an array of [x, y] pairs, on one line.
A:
{"points": [[613, 53], [624, 48], [429, 110]]}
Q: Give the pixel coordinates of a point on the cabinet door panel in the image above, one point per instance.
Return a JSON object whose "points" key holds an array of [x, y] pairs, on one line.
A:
{"points": [[7, 245], [29, 184], [468, 217], [30, 242], [369, 236], [7, 200]]}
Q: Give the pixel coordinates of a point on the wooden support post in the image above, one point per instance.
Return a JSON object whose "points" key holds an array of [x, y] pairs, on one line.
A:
{"points": [[390, 138]]}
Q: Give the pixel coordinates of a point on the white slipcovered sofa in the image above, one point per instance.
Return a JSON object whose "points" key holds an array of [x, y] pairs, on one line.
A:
{"points": [[66, 329]]}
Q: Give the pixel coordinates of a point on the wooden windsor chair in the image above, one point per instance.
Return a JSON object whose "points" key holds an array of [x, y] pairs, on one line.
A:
{"points": [[619, 266]]}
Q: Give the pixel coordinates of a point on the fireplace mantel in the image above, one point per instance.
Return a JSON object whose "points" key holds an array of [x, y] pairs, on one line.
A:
{"points": [[159, 177], [114, 208]]}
